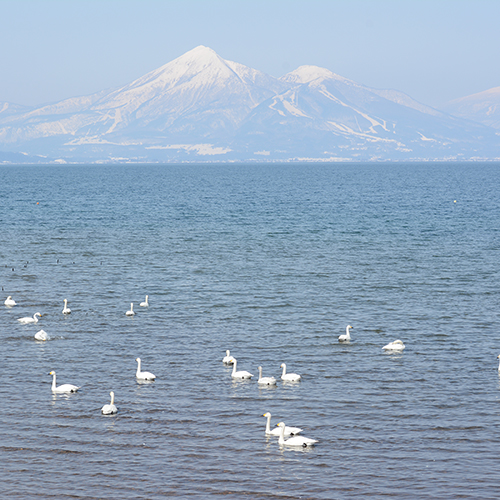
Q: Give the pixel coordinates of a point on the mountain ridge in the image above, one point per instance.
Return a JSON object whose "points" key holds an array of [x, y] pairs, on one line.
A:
{"points": [[201, 105]]}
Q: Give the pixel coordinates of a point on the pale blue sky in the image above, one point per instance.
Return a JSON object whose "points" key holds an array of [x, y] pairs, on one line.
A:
{"points": [[434, 50]]}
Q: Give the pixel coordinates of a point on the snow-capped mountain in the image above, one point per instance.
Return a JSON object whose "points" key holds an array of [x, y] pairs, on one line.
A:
{"points": [[483, 107], [343, 117], [202, 106]]}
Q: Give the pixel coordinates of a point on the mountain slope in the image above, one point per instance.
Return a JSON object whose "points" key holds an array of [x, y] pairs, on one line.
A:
{"points": [[483, 107]]}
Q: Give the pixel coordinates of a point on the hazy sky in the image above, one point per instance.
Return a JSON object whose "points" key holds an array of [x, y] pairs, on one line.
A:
{"points": [[434, 50]]}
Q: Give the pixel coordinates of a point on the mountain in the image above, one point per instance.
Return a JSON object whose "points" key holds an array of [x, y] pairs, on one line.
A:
{"points": [[200, 106], [340, 118], [483, 107]]}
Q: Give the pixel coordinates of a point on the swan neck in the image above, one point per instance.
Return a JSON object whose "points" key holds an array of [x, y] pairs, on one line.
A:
{"points": [[268, 424], [281, 440], [234, 366], [138, 366], [284, 371], [112, 398], [53, 381]]}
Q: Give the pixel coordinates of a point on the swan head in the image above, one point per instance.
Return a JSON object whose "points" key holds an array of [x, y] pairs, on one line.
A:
{"points": [[282, 365], [267, 414], [112, 394], [348, 327], [37, 314], [281, 424], [52, 372], [400, 342], [498, 356], [138, 360], [9, 297], [227, 352]]}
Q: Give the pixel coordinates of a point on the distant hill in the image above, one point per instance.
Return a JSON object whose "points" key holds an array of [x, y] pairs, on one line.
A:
{"points": [[483, 107], [200, 107]]}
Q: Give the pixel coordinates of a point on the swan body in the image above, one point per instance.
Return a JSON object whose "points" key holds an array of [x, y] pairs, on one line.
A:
{"points": [[265, 380], [143, 375], [66, 309], [289, 431], [295, 440], [27, 320], [111, 408], [227, 359], [289, 377], [62, 388], [10, 302], [397, 345], [240, 374], [131, 312], [347, 336], [146, 302], [42, 335]]}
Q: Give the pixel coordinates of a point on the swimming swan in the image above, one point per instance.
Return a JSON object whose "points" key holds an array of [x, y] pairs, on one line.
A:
{"points": [[10, 302], [143, 375], [42, 335], [62, 388], [289, 431], [66, 309], [265, 380], [131, 312], [240, 374], [289, 377], [347, 336], [295, 440], [111, 408], [227, 359], [146, 302], [397, 345], [29, 319]]}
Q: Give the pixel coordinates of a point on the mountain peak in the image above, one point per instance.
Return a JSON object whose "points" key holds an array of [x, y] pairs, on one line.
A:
{"points": [[307, 74]]}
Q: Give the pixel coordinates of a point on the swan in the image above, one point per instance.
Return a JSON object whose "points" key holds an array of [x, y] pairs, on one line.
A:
{"points": [[397, 345], [27, 320], [66, 309], [347, 336], [111, 408], [227, 359], [10, 302], [289, 377], [295, 440], [146, 302], [240, 374], [265, 380], [143, 375], [289, 431], [42, 335], [62, 388], [131, 312], [499, 363]]}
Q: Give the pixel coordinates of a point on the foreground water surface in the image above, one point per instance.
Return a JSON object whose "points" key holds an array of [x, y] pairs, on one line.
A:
{"points": [[271, 262]]}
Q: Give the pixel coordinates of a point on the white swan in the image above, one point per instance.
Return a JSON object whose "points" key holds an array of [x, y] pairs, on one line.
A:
{"points": [[295, 440], [240, 374], [347, 336], [146, 302], [10, 302], [289, 431], [289, 377], [265, 380], [66, 309], [62, 388], [111, 408], [42, 335], [143, 375], [27, 320], [397, 345], [131, 312], [227, 359]]}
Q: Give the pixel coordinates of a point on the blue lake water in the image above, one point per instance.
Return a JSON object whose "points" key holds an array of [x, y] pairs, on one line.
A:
{"points": [[271, 262]]}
